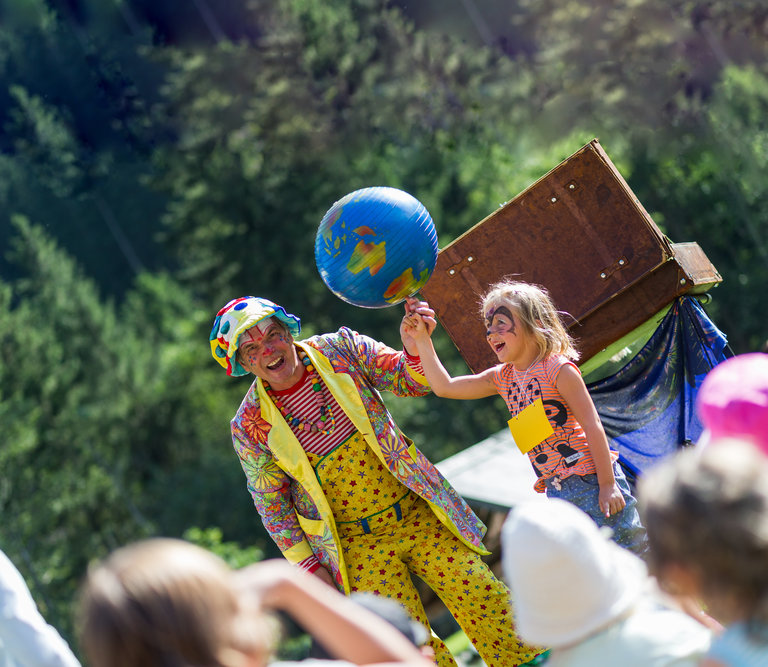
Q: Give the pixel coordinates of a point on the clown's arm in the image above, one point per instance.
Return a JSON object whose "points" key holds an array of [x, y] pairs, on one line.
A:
{"points": [[269, 487]]}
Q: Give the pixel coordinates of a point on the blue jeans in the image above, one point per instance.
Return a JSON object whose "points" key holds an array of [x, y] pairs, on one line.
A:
{"points": [[583, 491]]}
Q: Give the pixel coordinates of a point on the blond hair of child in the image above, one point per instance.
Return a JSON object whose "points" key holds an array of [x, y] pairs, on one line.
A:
{"points": [[164, 602], [537, 314]]}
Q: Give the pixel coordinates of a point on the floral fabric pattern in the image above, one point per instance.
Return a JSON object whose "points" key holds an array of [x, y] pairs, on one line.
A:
{"points": [[278, 496], [254, 425]]}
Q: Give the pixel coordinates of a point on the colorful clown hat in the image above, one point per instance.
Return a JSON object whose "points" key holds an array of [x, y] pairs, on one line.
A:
{"points": [[238, 316]]}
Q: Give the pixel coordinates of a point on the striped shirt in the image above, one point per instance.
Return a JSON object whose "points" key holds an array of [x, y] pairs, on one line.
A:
{"points": [[303, 403], [566, 451], [301, 400]]}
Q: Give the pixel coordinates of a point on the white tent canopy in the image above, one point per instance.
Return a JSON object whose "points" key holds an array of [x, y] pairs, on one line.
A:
{"points": [[493, 473]]}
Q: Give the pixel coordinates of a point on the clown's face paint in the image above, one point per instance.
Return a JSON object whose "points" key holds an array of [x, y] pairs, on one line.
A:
{"points": [[269, 353]]}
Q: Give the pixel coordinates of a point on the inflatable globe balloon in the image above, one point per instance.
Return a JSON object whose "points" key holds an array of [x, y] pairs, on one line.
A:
{"points": [[375, 247]]}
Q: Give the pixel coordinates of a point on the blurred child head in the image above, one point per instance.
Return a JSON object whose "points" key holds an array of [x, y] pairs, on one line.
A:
{"points": [[733, 400], [568, 579], [166, 602], [706, 512], [535, 313]]}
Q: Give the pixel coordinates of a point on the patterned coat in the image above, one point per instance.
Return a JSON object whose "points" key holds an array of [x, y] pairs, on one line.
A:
{"points": [[281, 479]]}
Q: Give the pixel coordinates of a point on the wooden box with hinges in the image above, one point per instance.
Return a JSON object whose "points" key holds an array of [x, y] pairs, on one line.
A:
{"points": [[580, 232]]}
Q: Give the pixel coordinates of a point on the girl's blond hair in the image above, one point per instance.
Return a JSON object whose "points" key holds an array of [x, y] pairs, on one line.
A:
{"points": [[536, 312], [167, 603]]}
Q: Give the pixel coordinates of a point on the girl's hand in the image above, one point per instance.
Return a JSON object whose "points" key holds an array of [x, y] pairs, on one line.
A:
{"points": [[415, 326], [610, 500], [418, 323]]}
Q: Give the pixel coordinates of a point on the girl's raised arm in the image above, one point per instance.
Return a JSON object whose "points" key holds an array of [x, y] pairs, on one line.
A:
{"points": [[440, 381]]}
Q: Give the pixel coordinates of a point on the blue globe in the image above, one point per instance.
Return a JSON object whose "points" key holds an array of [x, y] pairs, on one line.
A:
{"points": [[375, 247]]}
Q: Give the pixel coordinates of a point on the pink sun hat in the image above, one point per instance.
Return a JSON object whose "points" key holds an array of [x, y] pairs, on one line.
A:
{"points": [[733, 400]]}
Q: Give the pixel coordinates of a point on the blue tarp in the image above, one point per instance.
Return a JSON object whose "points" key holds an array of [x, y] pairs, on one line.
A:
{"points": [[648, 407]]}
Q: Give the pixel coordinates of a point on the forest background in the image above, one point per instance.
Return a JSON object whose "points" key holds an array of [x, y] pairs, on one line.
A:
{"points": [[160, 157]]}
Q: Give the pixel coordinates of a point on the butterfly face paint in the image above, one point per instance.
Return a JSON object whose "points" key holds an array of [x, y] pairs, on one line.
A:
{"points": [[499, 320]]}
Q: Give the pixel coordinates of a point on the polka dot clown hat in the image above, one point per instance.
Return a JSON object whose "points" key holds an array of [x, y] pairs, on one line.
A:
{"points": [[235, 318]]}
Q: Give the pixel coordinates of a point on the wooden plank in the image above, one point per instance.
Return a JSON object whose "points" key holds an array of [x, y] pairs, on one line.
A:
{"points": [[580, 232]]}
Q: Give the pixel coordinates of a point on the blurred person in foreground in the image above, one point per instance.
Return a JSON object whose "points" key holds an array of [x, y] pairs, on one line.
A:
{"points": [[591, 601], [706, 512], [394, 614], [340, 488], [165, 602], [26, 639]]}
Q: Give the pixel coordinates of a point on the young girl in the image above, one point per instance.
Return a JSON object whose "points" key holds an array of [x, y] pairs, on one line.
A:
{"points": [[707, 515], [554, 419]]}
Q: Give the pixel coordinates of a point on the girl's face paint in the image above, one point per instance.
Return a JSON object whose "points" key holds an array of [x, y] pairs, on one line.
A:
{"points": [[499, 320], [506, 337]]}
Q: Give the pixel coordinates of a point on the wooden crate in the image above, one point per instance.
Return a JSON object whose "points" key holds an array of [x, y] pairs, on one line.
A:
{"points": [[580, 232]]}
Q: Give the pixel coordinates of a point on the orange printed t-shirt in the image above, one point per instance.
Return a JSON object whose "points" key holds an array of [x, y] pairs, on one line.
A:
{"points": [[566, 451]]}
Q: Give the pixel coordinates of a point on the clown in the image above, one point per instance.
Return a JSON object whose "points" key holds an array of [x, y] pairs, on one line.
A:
{"points": [[340, 489]]}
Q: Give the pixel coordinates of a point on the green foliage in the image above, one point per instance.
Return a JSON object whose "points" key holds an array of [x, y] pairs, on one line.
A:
{"points": [[77, 127], [172, 159], [275, 132], [106, 415], [232, 553], [67, 492], [713, 188], [644, 67]]}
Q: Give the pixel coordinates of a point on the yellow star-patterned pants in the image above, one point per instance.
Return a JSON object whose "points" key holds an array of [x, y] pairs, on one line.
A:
{"points": [[388, 533]]}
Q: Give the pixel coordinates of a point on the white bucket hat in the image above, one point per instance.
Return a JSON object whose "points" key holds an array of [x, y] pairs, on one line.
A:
{"points": [[568, 580]]}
